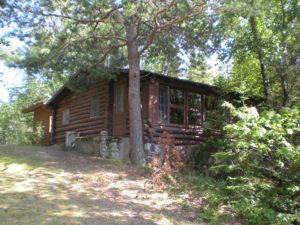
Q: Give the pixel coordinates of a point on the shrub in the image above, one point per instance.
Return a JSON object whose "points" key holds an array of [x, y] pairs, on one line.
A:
{"points": [[200, 157], [262, 164], [168, 163]]}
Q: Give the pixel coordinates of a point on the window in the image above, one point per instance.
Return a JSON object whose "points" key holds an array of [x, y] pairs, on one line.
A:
{"points": [[176, 106], [163, 104], [95, 108], [212, 111], [194, 109], [120, 91], [65, 116]]}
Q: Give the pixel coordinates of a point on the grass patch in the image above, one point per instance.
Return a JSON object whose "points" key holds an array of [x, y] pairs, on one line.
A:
{"points": [[215, 195], [9, 155]]}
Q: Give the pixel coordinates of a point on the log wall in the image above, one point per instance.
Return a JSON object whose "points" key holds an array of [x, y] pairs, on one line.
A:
{"points": [[79, 107]]}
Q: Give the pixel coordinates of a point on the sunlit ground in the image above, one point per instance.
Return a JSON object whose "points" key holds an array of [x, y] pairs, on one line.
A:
{"points": [[44, 185]]}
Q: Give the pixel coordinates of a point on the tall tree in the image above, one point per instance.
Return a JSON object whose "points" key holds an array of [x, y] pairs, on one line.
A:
{"points": [[73, 35], [263, 34]]}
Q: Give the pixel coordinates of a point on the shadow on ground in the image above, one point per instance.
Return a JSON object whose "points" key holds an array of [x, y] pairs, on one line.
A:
{"points": [[49, 186]]}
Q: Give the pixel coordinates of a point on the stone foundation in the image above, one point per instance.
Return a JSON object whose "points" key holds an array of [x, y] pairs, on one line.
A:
{"points": [[87, 145], [112, 147]]}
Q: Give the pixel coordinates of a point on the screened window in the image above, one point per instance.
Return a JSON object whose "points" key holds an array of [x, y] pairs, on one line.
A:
{"points": [[194, 109], [176, 97], [120, 92], [176, 106], [163, 104], [95, 108], [65, 116], [212, 110]]}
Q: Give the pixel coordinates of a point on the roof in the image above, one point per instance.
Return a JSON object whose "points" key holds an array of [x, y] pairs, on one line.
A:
{"points": [[35, 106], [172, 80], [61, 92], [204, 87]]}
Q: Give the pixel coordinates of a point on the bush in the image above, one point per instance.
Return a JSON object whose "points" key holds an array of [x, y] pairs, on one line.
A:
{"points": [[166, 165], [200, 157], [262, 163]]}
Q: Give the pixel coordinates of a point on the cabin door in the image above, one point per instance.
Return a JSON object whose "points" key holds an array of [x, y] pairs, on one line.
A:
{"points": [[119, 115]]}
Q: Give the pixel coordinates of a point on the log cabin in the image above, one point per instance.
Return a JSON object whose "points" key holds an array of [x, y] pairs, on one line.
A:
{"points": [[179, 107], [42, 117]]}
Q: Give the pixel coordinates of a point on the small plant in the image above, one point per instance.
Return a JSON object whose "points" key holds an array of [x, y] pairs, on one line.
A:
{"points": [[166, 165], [39, 134]]}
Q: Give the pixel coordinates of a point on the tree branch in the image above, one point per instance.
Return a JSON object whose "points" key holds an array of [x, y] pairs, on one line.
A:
{"points": [[111, 37], [100, 20], [155, 26], [109, 50]]}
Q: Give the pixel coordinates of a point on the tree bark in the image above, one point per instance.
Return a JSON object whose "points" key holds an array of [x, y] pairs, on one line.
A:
{"points": [[284, 64], [137, 153], [258, 49]]}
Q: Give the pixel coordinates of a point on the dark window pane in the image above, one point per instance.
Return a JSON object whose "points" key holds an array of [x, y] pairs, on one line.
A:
{"points": [[163, 105], [176, 116], [194, 100], [95, 108], [120, 91], [65, 116], [211, 103], [195, 118], [176, 97]]}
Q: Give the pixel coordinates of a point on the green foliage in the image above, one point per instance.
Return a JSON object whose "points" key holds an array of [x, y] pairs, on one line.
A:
{"points": [[91, 35], [262, 163], [15, 126], [201, 158], [277, 24], [39, 134], [215, 195]]}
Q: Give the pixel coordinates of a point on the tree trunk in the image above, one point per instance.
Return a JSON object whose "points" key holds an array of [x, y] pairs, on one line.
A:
{"points": [[284, 63], [137, 154], [258, 49]]}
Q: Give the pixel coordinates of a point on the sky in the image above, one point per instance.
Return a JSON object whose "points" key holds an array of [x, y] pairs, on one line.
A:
{"points": [[9, 77]]}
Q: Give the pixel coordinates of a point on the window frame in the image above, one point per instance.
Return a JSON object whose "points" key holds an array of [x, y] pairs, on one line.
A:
{"points": [[65, 117], [93, 103], [166, 107], [185, 107], [198, 109], [121, 88], [176, 106]]}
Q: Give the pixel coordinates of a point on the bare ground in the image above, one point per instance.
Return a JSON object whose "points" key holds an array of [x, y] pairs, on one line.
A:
{"points": [[45, 185]]}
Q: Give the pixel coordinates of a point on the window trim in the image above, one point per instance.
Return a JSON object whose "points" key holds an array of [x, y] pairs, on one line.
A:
{"points": [[64, 113], [176, 106], [185, 107], [122, 98], [96, 100]]}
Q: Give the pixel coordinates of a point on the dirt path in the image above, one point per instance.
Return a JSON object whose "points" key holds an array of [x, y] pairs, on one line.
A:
{"points": [[50, 186]]}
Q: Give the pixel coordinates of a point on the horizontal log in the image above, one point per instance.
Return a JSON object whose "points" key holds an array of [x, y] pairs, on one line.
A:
{"points": [[86, 114], [84, 98], [80, 126], [179, 131], [84, 108], [87, 99], [85, 133], [82, 114]]}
